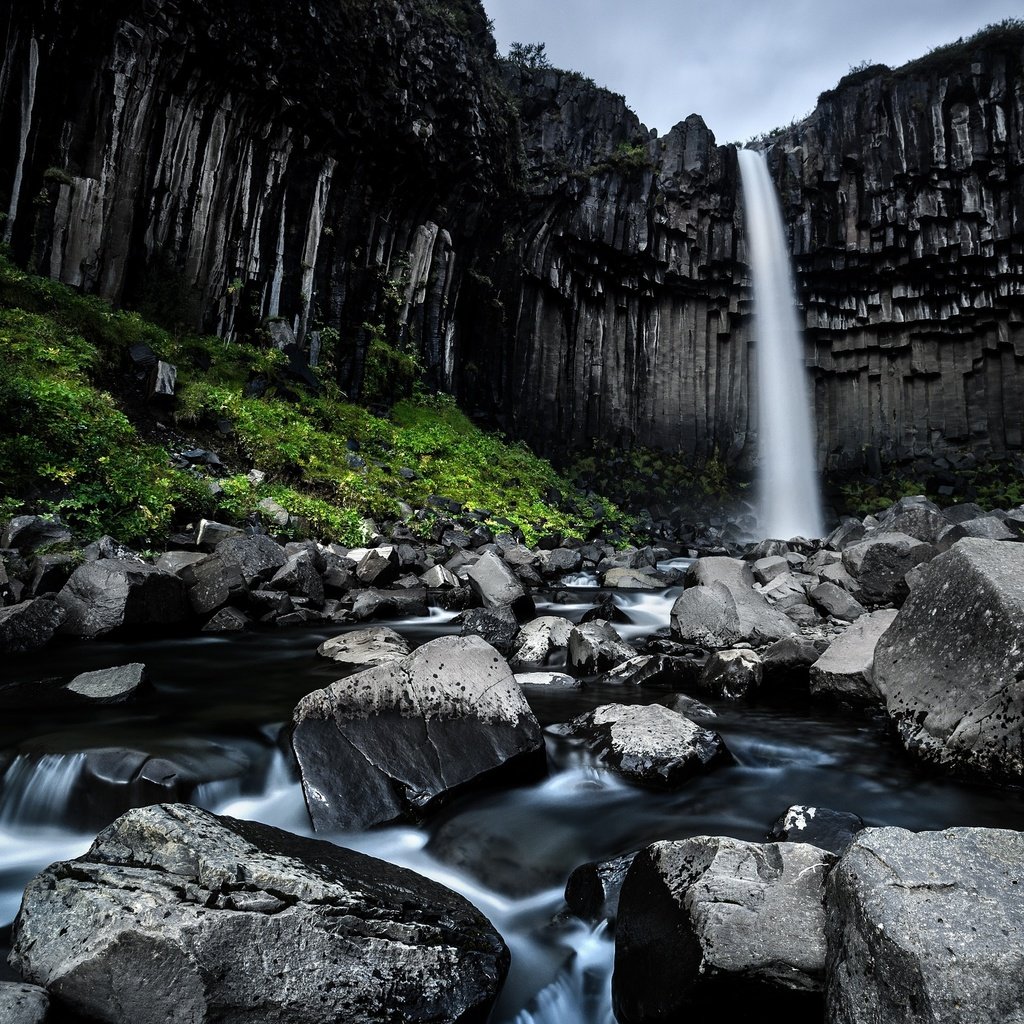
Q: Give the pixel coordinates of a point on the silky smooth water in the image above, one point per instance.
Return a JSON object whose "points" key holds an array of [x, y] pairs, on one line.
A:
{"points": [[790, 498], [510, 851]]}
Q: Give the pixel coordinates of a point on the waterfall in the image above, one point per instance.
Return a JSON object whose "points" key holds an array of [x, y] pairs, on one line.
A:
{"points": [[789, 496]]}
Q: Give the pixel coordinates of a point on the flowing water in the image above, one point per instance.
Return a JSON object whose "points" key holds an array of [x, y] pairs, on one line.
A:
{"points": [[510, 851], [789, 491]]}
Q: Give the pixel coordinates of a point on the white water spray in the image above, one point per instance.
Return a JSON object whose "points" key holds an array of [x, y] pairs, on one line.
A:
{"points": [[789, 495]]}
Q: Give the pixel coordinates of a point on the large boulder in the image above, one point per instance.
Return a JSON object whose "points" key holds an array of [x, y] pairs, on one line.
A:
{"points": [[177, 915], [712, 923], [951, 667], [365, 648], [926, 928], [880, 562], [845, 672], [541, 642], [212, 583], [722, 609], [388, 743], [497, 587], [29, 626], [595, 647], [113, 593], [732, 675], [649, 745], [258, 557]]}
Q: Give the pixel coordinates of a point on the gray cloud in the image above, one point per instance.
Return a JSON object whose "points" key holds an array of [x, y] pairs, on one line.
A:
{"points": [[745, 67]]}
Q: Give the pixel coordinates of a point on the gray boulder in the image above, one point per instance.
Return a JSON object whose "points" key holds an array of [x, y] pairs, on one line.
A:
{"points": [[541, 642], [927, 928], [438, 577], [644, 670], [984, 527], [257, 557], [29, 534], [766, 569], [649, 745], [378, 567], [109, 685], [732, 675], [633, 579], [595, 647], [388, 743], [177, 561], [817, 826], [30, 625], [880, 562], [559, 561], [299, 578], [371, 603], [23, 1004], [835, 601], [189, 917], [364, 648], [950, 668], [498, 626], [212, 583], [104, 596], [210, 534], [497, 587], [705, 921], [845, 672]]}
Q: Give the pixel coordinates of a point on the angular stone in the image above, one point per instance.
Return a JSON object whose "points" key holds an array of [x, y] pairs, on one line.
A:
{"points": [[496, 587], [228, 620], [541, 642], [29, 534], [498, 626], [632, 579], [30, 625], [713, 616], [257, 557], [299, 577], [835, 601], [592, 891], [951, 667], [649, 744], [766, 569], [880, 562], [712, 921], [644, 670], [845, 672], [113, 593], [364, 648], [817, 826], [210, 533], [187, 916], [559, 561], [163, 379], [212, 583], [439, 577], [274, 513], [926, 928], [109, 685], [402, 604], [732, 675], [378, 568], [388, 743], [984, 527], [595, 647], [23, 1004], [177, 561]]}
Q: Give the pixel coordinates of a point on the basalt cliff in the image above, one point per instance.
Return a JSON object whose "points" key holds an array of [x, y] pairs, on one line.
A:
{"points": [[332, 169]]}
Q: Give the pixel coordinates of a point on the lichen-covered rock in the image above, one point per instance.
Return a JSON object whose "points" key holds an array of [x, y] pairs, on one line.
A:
{"points": [[926, 928], [817, 826], [111, 594], [712, 922], [649, 745], [541, 642], [732, 675], [364, 648], [23, 1004], [951, 666], [389, 742], [175, 914], [595, 647]]}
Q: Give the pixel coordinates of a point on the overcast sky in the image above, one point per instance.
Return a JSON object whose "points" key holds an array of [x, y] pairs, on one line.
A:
{"points": [[745, 66]]}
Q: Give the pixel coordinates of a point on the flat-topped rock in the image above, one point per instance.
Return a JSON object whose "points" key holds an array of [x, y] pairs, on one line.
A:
{"points": [[845, 672], [364, 648]]}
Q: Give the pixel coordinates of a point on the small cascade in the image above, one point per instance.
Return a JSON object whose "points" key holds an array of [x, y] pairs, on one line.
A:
{"points": [[38, 790], [789, 493]]}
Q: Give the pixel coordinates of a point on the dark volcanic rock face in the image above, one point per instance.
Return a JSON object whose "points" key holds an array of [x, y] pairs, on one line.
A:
{"points": [[350, 163]]}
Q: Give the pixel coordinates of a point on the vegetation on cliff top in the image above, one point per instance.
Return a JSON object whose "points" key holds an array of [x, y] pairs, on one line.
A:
{"points": [[77, 438]]}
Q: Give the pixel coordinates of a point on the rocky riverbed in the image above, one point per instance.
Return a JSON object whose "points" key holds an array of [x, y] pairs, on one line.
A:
{"points": [[571, 781]]}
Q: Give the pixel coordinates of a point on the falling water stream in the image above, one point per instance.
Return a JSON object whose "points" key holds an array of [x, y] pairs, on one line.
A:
{"points": [[509, 852], [789, 492]]}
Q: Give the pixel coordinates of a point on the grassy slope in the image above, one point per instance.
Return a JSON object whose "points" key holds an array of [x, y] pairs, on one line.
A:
{"points": [[76, 439]]}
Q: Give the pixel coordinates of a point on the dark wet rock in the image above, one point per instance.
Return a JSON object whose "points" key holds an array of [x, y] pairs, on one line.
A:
{"points": [[177, 561], [378, 567], [880, 562], [270, 603], [717, 922], [300, 578], [732, 675], [817, 826], [402, 604], [50, 572], [916, 517], [835, 601], [653, 670], [649, 745], [364, 648], [596, 647], [926, 928], [30, 625], [109, 685], [984, 527], [498, 626], [691, 708], [187, 916], [388, 743], [845, 672], [258, 557], [950, 668], [552, 680], [111, 594], [559, 561], [213, 583], [309, 548], [592, 891], [23, 1004], [497, 587], [228, 620], [210, 534], [541, 642], [766, 549], [606, 608], [29, 534], [849, 531]]}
